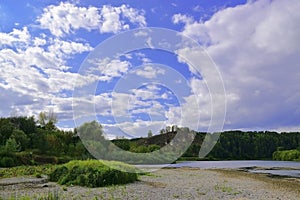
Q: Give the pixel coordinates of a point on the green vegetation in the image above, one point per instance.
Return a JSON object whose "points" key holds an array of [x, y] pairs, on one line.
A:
{"points": [[30, 141], [48, 196], [93, 173], [253, 145], [226, 189], [23, 171], [288, 155], [26, 141], [232, 145], [90, 173]]}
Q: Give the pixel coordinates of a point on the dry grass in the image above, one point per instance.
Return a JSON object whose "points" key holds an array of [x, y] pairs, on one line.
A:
{"points": [[288, 184]]}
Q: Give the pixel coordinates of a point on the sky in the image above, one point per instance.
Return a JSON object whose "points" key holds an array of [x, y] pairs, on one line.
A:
{"points": [[79, 60]]}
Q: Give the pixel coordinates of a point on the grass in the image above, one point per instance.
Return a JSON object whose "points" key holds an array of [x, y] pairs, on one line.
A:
{"points": [[90, 173], [36, 171], [94, 173], [226, 189], [287, 183], [48, 196]]}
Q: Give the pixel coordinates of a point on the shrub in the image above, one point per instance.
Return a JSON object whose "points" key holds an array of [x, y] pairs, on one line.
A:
{"points": [[7, 162], [153, 147], [288, 155], [11, 145], [93, 173], [8, 159]]}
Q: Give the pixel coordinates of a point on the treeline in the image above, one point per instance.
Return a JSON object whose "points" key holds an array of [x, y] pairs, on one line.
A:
{"points": [[25, 140], [232, 145], [30, 141], [253, 145]]}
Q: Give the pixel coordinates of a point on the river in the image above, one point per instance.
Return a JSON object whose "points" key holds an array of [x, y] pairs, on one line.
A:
{"points": [[281, 168]]}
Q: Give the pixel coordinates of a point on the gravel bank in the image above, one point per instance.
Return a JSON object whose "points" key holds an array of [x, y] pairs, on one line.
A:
{"points": [[182, 183]]}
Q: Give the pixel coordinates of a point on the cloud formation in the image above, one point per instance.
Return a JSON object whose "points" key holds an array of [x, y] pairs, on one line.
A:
{"points": [[66, 18], [34, 65], [255, 47]]}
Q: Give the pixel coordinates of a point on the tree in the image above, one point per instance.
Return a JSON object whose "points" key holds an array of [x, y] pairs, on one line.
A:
{"points": [[91, 134], [11, 146], [90, 130], [47, 120], [174, 128], [168, 129], [150, 133], [6, 129], [21, 138]]}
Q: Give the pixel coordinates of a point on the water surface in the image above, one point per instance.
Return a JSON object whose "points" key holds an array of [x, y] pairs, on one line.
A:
{"points": [[285, 168], [234, 164]]}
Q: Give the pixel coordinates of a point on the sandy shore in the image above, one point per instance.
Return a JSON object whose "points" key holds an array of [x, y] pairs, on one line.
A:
{"points": [[183, 183]]}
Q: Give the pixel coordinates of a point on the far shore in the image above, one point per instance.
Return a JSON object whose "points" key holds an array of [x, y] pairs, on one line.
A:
{"points": [[179, 183]]}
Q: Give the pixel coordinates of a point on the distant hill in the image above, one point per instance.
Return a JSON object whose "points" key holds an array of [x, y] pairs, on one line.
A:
{"points": [[231, 144]]}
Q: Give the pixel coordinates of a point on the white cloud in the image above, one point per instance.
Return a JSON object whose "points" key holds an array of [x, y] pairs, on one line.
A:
{"points": [[149, 72], [134, 129], [198, 8], [256, 49], [34, 65], [107, 69], [179, 18], [68, 48], [17, 36], [141, 34], [120, 105], [34, 72], [111, 18], [66, 18]]}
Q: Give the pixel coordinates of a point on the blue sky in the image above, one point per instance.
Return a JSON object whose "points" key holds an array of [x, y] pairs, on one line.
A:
{"points": [[45, 47]]}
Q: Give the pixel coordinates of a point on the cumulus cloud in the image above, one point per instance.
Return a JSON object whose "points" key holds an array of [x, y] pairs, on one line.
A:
{"points": [[17, 36], [255, 48], [180, 18], [106, 69], [111, 18], [68, 48], [149, 72], [35, 68], [66, 18]]}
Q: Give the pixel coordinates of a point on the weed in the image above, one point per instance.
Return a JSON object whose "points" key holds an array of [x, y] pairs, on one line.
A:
{"points": [[226, 189]]}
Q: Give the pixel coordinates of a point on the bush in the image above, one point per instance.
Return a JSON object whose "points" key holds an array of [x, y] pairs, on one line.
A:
{"points": [[287, 155], [94, 173], [7, 162], [8, 159]]}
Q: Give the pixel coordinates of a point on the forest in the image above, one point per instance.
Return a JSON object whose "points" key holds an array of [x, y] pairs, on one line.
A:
{"points": [[29, 141]]}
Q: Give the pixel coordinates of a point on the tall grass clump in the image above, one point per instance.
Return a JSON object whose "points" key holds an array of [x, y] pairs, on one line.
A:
{"points": [[94, 173]]}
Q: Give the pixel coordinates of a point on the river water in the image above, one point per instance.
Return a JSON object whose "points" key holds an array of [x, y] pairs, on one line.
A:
{"points": [[285, 168]]}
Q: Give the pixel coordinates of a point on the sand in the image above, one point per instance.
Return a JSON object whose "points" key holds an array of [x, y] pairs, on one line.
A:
{"points": [[181, 183]]}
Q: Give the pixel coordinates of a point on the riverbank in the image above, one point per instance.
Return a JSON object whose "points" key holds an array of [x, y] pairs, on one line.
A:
{"points": [[181, 183]]}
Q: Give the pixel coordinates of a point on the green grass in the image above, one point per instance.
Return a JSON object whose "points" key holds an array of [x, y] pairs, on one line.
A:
{"points": [[94, 173], [48, 196], [226, 189], [36, 171]]}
